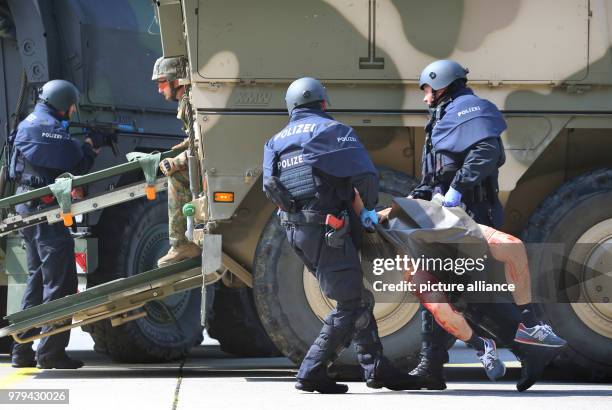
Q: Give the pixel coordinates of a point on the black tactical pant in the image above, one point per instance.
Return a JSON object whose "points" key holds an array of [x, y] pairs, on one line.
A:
{"points": [[338, 271], [52, 275]]}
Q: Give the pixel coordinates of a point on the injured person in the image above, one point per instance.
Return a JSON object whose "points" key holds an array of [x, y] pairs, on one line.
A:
{"points": [[427, 229]]}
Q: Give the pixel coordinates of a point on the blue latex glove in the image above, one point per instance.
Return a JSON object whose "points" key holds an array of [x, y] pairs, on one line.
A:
{"points": [[452, 198], [368, 218]]}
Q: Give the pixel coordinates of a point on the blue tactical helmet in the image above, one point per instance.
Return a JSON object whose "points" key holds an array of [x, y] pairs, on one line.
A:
{"points": [[303, 91], [442, 73], [59, 94]]}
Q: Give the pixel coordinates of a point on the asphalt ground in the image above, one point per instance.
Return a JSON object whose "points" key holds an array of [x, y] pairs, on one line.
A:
{"points": [[210, 379]]}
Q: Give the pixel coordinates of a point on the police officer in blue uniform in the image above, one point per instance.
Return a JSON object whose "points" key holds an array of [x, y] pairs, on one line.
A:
{"points": [[312, 168], [462, 154], [43, 150]]}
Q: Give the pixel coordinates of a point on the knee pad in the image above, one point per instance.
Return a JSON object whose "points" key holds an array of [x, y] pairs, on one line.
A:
{"points": [[334, 337], [362, 319]]}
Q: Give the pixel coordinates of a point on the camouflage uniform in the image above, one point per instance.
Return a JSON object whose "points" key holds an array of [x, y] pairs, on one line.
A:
{"points": [[178, 185]]}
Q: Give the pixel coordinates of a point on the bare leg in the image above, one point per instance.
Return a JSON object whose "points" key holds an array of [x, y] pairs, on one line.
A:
{"points": [[511, 251], [437, 303]]}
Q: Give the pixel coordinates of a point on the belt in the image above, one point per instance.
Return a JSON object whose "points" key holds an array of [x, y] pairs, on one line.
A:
{"points": [[302, 218]]}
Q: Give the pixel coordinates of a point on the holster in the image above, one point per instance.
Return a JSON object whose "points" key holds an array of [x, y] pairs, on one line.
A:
{"points": [[335, 236]]}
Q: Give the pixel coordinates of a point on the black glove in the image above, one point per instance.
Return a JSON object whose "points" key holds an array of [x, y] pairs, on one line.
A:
{"points": [[101, 139], [98, 138], [422, 193]]}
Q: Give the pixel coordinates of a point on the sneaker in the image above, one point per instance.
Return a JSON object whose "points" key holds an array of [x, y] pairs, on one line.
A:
{"points": [[494, 367], [179, 253], [539, 335]]}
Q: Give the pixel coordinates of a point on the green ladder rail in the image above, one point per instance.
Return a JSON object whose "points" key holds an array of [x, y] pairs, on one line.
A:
{"points": [[81, 180], [114, 300], [91, 203]]}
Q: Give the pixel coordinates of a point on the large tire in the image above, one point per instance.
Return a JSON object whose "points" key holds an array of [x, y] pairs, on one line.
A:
{"points": [[132, 238], [578, 212], [288, 315], [235, 324]]}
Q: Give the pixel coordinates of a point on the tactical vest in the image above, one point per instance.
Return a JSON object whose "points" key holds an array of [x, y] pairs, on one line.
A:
{"points": [[296, 176], [440, 166], [435, 164]]}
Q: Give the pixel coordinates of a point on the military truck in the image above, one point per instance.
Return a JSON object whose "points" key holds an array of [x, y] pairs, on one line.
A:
{"points": [[109, 57], [546, 64]]}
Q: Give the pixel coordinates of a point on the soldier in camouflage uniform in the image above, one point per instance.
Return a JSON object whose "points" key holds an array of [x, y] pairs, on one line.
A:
{"points": [[166, 72]]}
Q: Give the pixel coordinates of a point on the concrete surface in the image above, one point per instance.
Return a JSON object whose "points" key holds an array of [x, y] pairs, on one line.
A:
{"points": [[209, 379]]}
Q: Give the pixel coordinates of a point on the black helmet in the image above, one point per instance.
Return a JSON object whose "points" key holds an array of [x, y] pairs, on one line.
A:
{"points": [[59, 94]]}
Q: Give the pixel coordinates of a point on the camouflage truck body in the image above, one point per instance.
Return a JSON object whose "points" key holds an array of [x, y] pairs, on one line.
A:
{"points": [[546, 64]]}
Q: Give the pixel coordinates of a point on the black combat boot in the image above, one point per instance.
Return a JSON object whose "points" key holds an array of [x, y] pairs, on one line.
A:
{"points": [[62, 361], [430, 369], [23, 361], [322, 386], [534, 360], [387, 375], [22, 355]]}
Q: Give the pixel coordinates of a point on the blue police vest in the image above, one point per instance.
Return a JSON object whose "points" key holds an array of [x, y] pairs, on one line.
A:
{"points": [[42, 148], [455, 127], [313, 139]]}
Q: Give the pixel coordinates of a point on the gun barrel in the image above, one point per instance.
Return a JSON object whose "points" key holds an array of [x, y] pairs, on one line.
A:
{"points": [[107, 126]]}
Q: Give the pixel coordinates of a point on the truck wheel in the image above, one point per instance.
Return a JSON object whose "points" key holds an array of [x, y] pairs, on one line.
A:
{"points": [[578, 217], [292, 307], [235, 324], [132, 238]]}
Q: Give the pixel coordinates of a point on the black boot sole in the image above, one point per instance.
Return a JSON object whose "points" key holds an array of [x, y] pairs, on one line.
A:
{"points": [[435, 385], [22, 365], [395, 386], [312, 387]]}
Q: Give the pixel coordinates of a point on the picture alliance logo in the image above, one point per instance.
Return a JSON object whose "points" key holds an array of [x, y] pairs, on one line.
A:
{"points": [[405, 263]]}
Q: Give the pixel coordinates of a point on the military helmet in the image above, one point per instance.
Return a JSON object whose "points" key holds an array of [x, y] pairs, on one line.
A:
{"points": [[170, 68], [442, 73], [59, 94], [303, 91]]}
